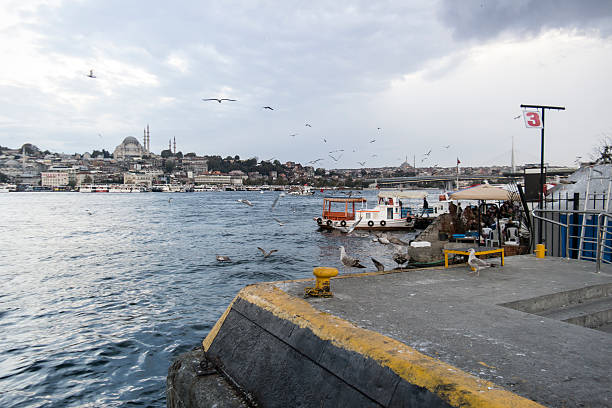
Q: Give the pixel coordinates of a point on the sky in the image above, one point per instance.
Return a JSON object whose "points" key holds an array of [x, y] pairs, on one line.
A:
{"points": [[383, 81]]}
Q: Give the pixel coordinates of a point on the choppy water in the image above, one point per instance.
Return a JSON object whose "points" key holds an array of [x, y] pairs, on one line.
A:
{"points": [[93, 308]]}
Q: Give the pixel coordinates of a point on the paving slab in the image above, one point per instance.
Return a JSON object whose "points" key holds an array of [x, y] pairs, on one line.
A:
{"points": [[459, 319]]}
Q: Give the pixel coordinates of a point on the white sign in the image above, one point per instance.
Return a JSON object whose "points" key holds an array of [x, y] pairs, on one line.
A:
{"points": [[532, 119]]}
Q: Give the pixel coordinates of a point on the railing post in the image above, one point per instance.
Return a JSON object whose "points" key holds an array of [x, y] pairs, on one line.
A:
{"points": [[567, 235], [598, 247]]}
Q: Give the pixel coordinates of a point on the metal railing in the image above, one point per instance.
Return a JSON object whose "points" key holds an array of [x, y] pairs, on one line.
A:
{"points": [[594, 238]]}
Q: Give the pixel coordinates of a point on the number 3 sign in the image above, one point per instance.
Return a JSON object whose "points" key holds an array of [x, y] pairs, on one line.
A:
{"points": [[532, 119]]}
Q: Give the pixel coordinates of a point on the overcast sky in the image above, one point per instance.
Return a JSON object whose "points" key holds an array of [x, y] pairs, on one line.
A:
{"points": [[428, 74]]}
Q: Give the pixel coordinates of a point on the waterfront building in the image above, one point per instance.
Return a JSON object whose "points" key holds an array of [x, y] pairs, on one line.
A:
{"points": [[54, 178], [138, 178]]}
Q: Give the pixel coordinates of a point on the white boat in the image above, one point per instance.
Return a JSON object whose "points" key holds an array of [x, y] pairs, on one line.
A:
{"points": [[301, 190], [7, 188], [395, 210]]}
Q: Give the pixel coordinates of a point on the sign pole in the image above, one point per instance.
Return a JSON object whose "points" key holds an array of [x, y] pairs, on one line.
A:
{"points": [[541, 194]]}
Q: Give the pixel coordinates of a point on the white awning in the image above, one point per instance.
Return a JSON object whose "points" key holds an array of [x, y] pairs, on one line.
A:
{"points": [[482, 192], [414, 194]]}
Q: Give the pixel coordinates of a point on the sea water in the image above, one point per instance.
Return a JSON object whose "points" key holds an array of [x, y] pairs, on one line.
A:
{"points": [[100, 292]]}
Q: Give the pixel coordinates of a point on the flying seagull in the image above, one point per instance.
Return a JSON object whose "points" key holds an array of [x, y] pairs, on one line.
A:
{"points": [[379, 266], [91, 74], [374, 155], [280, 223], [349, 261], [324, 140], [307, 125], [446, 147], [517, 117], [245, 201], [223, 258], [379, 128], [219, 99], [335, 159], [267, 253], [294, 134], [362, 163], [274, 202], [268, 107], [372, 141], [314, 161], [427, 154], [475, 263]]}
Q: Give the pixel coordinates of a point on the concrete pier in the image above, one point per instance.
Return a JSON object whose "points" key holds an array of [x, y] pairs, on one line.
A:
{"points": [[511, 337]]}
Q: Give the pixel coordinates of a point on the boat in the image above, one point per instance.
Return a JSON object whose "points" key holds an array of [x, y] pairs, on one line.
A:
{"points": [[112, 188], [301, 190], [7, 188], [395, 210]]}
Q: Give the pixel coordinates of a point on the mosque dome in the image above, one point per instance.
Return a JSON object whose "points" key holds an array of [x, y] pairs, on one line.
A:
{"points": [[130, 147]]}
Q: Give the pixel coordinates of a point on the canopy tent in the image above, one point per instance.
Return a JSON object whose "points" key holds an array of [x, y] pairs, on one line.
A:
{"points": [[482, 192], [409, 194]]}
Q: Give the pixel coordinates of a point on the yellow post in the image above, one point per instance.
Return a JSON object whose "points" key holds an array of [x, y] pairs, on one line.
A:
{"points": [[322, 286], [540, 251]]}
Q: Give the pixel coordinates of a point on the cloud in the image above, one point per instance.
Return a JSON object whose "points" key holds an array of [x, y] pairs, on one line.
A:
{"points": [[486, 19]]}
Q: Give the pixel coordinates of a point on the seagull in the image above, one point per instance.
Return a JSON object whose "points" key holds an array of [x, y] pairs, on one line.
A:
{"points": [[352, 227], [308, 125], [294, 134], [100, 134], [219, 99], [475, 263], [427, 154], [348, 261], [362, 163], [274, 202], [517, 117], [374, 155], [379, 128], [339, 150], [267, 253], [382, 238], [89, 212], [397, 241], [446, 147], [324, 140], [314, 161], [223, 258], [335, 159], [267, 107], [91, 74], [379, 266], [400, 257], [280, 223], [372, 141], [245, 201]]}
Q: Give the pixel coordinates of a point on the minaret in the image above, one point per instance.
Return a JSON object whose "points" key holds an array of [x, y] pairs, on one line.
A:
{"points": [[144, 140], [174, 144], [148, 140], [23, 158], [170, 145], [512, 159]]}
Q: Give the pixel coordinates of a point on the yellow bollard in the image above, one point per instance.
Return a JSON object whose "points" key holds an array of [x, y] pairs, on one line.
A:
{"points": [[322, 287], [540, 251]]}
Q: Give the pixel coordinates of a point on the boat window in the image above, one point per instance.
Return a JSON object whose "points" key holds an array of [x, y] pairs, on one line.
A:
{"points": [[389, 213], [367, 216]]}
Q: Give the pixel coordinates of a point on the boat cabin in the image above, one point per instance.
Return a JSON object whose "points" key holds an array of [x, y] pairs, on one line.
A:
{"points": [[340, 208]]}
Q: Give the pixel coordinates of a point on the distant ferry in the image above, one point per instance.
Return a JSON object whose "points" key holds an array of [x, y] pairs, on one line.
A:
{"points": [[111, 188], [7, 188], [301, 190]]}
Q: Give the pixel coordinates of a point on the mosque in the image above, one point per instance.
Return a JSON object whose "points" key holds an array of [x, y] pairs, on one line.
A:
{"points": [[131, 148]]}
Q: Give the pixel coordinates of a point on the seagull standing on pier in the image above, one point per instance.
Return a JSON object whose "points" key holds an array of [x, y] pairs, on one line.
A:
{"points": [[476, 263]]}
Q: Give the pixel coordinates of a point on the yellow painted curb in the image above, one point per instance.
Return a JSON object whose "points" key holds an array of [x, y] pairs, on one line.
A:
{"points": [[451, 384]]}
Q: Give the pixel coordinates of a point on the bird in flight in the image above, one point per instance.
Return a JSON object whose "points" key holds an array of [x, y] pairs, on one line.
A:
{"points": [[280, 223], [446, 147], [268, 107], [362, 163], [428, 153], [324, 140], [372, 141], [339, 150], [307, 125], [335, 159], [314, 161], [374, 155], [516, 117], [219, 99], [91, 74], [379, 128], [245, 201], [294, 134], [267, 253]]}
